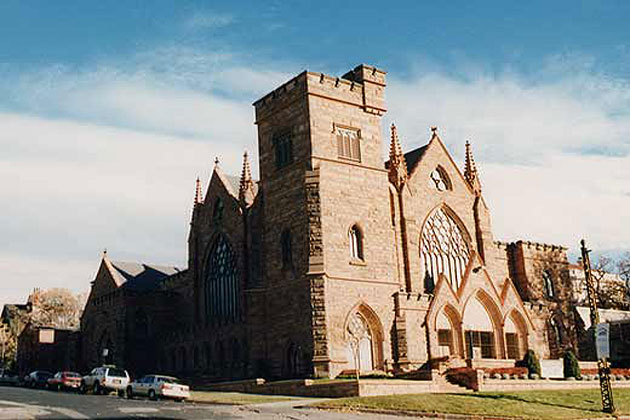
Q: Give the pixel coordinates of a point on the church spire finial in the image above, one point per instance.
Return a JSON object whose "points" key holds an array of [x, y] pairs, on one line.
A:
{"points": [[246, 186], [397, 164], [470, 170], [198, 193]]}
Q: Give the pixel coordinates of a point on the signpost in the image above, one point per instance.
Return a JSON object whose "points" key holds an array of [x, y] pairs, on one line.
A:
{"points": [[601, 332], [602, 340]]}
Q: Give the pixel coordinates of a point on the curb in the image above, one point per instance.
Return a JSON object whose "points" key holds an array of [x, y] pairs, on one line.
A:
{"points": [[442, 416]]}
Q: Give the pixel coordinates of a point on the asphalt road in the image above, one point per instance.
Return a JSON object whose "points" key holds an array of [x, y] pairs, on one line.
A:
{"points": [[23, 403]]}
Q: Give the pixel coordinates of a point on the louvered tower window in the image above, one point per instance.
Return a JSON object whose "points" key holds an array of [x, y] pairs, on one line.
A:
{"points": [[444, 250], [348, 144]]}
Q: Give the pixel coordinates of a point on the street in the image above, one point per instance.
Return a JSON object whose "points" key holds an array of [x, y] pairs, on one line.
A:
{"points": [[24, 403]]}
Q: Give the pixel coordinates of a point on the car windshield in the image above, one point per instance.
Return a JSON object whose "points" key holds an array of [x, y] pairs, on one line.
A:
{"points": [[169, 380], [119, 373], [71, 375], [44, 374]]}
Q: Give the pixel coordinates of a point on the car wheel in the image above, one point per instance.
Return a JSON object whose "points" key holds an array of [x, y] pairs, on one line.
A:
{"points": [[129, 393], [120, 393], [82, 388], [97, 389], [152, 395]]}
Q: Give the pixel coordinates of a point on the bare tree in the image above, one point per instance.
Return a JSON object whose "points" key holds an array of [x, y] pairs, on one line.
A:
{"points": [[623, 266], [8, 345], [612, 288], [58, 308]]}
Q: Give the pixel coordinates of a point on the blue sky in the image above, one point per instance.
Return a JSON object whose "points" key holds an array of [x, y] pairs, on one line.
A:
{"points": [[109, 110]]}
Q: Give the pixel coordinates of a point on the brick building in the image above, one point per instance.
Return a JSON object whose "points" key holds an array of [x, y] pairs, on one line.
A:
{"points": [[336, 259]]}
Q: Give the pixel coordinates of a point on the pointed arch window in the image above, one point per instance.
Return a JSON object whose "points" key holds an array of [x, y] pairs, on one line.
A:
{"points": [[356, 243], [287, 253], [444, 250], [221, 283], [550, 292], [217, 212]]}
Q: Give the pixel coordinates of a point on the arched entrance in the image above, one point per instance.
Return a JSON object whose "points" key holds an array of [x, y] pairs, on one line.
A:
{"points": [[360, 348], [478, 331], [364, 340], [447, 325], [515, 336]]}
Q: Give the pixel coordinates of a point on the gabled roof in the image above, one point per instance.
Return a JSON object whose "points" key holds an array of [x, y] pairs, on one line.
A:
{"points": [[412, 158], [232, 183], [140, 277]]}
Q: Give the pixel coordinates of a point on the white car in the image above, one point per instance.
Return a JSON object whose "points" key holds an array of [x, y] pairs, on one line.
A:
{"points": [[105, 379], [158, 386]]}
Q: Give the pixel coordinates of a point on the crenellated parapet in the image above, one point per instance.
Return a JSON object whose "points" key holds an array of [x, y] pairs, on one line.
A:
{"points": [[363, 86]]}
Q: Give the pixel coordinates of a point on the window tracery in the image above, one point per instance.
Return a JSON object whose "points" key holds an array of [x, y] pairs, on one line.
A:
{"points": [[439, 180], [444, 250], [221, 283]]}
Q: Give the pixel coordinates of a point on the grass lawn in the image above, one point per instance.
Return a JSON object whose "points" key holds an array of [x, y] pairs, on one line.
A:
{"points": [[236, 398], [566, 404]]}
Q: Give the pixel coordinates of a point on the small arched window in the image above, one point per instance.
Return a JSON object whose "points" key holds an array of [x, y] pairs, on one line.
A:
{"points": [[356, 242], [217, 212], [548, 284], [285, 244], [142, 324], [439, 179]]}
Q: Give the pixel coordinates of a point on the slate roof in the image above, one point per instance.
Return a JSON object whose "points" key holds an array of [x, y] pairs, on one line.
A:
{"points": [[412, 158], [141, 277]]}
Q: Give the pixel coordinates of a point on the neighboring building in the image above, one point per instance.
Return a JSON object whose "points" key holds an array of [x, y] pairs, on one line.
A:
{"points": [[125, 309], [336, 260], [619, 335], [48, 348], [612, 288]]}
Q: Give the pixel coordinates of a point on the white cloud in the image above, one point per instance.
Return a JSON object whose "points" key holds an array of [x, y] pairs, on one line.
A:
{"points": [[71, 189], [208, 20], [22, 273], [553, 153], [106, 156]]}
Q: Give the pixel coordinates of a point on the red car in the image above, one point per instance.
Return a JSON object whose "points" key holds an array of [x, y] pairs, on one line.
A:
{"points": [[64, 380]]}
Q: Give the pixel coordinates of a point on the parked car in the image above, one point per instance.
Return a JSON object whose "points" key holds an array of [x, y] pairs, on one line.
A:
{"points": [[37, 379], [105, 379], [158, 386], [8, 377], [64, 380]]}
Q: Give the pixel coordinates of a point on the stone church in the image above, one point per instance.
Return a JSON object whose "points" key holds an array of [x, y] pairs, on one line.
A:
{"points": [[335, 259]]}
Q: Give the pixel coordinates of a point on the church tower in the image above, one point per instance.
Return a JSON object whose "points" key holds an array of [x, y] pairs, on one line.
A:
{"points": [[328, 239]]}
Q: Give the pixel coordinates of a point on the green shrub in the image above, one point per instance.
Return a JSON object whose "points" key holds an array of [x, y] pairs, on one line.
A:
{"points": [[571, 365], [530, 361]]}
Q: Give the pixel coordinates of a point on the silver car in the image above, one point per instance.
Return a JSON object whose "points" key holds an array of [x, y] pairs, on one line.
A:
{"points": [[158, 386]]}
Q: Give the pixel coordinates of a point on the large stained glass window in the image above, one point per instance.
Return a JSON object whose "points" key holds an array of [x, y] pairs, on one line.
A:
{"points": [[221, 281], [444, 250]]}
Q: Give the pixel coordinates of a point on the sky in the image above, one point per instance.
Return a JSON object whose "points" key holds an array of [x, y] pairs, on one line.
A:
{"points": [[109, 111]]}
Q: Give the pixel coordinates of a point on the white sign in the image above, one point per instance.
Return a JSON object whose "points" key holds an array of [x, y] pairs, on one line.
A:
{"points": [[602, 340], [46, 336], [552, 368]]}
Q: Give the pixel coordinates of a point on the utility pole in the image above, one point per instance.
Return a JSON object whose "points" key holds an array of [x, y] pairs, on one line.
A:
{"points": [[602, 364]]}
